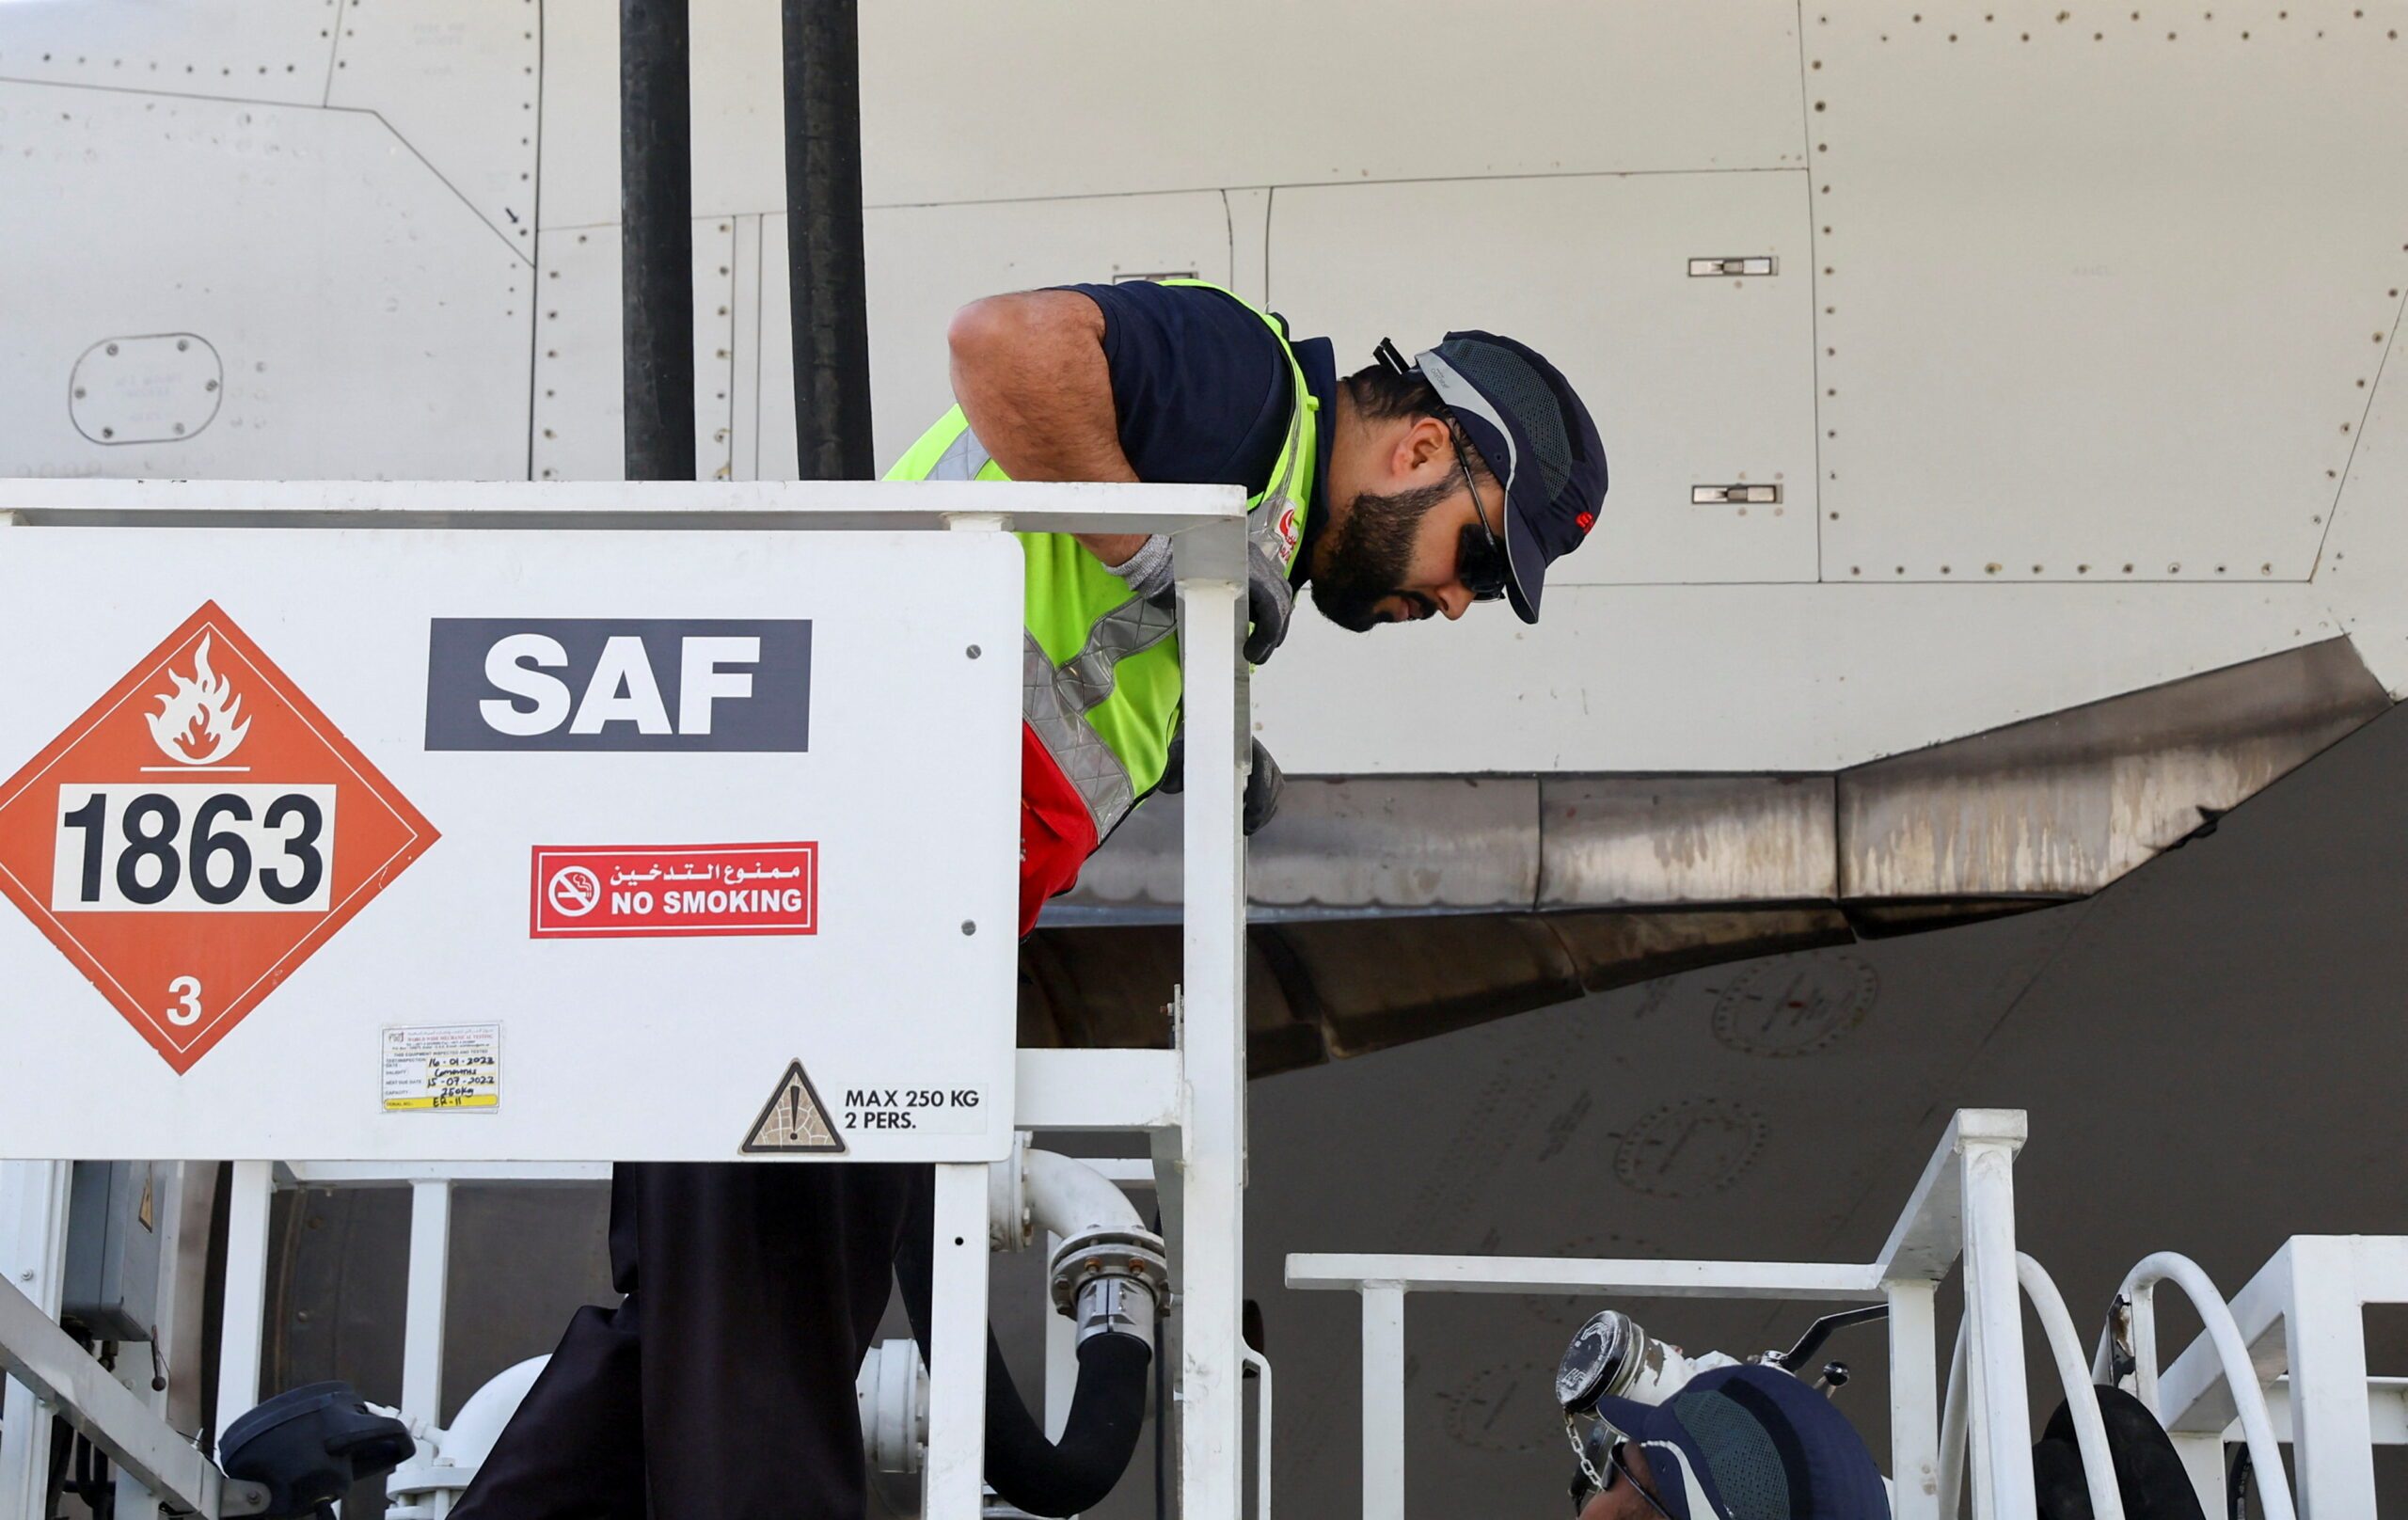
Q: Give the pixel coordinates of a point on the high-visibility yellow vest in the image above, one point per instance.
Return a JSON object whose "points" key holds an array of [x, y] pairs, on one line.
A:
{"points": [[1099, 665]]}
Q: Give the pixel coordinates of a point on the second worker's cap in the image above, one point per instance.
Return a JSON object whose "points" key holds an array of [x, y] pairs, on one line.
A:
{"points": [[1751, 1443]]}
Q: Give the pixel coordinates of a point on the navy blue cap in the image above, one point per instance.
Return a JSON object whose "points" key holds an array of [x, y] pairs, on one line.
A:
{"points": [[1751, 1443], [1536, 437]]}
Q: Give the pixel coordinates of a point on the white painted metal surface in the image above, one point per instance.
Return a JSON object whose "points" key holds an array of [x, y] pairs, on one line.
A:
{"points": [[33, 1256], [1260, 1366], [919, 1001], [369, 322], [1156, 103], [1999, 1441], [244, 1320], [1190, 1099], [580, 397], [430, 1279], [1211, 1172], [1914, 1404], [2363, 557], [1607, 295], [2028, 216], [276, 51], [1270, 95], [153, 1460], [2305, 1311], [1068, 1089], [2011, 360], [1838, 1282], [958, 1345], [1382, 1401], [458, 81]]}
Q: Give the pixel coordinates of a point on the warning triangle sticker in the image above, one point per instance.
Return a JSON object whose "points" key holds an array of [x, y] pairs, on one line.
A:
{"points": [[793, 1121]]}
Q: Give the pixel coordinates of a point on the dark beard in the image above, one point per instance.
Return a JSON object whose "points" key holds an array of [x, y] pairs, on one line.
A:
{"points": [[1369, 553]]}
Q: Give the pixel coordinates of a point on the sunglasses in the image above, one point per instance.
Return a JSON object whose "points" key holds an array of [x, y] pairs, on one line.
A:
{"points": [[1599, 1467], [1481, 562]]}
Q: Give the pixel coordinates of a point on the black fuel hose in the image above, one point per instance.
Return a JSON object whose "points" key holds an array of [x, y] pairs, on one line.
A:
{"points": [[1107, 1409]]}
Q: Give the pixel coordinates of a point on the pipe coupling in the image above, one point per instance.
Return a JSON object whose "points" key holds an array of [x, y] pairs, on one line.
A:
{"points": [[1109, 1281]]}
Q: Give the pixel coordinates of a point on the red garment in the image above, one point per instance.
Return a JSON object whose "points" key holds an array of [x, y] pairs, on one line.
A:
{"points": [[1056, 834]]}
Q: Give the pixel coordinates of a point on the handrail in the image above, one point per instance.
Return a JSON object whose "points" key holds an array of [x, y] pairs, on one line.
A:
{"points": [[1953, 1426], [1841, 1281], [1261, 1366]]}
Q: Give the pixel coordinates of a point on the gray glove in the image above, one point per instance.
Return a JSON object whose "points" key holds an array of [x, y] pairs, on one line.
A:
{"points": [[1264, 781], [1270, 601]]}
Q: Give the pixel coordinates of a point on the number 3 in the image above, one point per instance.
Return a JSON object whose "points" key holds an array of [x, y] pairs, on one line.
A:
{"points": [[186, 992]]}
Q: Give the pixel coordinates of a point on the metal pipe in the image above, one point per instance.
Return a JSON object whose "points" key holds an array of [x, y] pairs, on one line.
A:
{"points": [[832, 423], [1110, 1271], [470, 1437], [2241, 1374], [656, 240], [1951, 1426], [1072, 1198], [2081, 1395]]}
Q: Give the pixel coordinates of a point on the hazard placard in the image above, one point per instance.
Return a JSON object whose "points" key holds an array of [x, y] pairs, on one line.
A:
{"points": [[197, 833], [440, 844]]}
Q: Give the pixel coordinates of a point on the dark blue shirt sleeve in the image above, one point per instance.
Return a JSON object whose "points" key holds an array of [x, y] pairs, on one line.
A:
{"points": [[1200, 386]]}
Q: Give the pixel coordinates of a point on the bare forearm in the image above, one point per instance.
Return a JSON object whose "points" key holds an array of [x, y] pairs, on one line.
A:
{"points": [[1030, 375]]}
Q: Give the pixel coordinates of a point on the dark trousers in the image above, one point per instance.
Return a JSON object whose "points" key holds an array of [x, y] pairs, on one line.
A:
{"points": [[722, 1389]]}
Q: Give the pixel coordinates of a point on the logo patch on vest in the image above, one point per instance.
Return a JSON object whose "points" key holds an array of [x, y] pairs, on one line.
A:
{"points": [[1289, 531]]}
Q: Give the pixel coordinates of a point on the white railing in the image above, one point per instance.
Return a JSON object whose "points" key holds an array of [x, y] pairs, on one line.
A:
{"points": [[1962, 1207], [2284, 1362], [1189, 1100]]}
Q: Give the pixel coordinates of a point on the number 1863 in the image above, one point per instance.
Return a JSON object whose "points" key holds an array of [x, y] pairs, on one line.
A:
{"points": [[179, 848]]}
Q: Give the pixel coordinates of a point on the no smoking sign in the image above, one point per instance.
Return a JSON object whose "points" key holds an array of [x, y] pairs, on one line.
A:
{"points": [[197, 835], [652, 890]]}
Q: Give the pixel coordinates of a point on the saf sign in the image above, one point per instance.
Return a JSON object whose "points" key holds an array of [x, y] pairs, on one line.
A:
{"points": [[724, 684], [197, 835]]}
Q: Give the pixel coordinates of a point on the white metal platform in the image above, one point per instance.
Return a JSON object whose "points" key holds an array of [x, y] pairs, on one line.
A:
{"points": [[1187, 1101]]}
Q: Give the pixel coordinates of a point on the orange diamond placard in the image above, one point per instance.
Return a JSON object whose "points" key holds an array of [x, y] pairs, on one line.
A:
{"points": [[197, 834]]}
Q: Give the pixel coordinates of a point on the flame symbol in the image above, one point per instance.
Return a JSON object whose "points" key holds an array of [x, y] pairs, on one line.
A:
{"points": [[197, 723]]}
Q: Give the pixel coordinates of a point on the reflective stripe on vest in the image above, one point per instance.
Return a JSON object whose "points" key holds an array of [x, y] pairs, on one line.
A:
{"points": [[962, 459], [1277, 522], [1055, 700]]}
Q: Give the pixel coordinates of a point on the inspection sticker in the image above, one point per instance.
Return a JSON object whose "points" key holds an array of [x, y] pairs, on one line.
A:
{"points": [[584, 891], [430, 1066]]}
